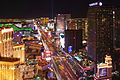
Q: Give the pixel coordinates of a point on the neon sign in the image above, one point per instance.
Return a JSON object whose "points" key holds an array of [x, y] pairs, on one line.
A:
{"points": [[100, 3], [96, 4]]}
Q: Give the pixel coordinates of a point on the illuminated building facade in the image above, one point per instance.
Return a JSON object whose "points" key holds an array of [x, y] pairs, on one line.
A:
{"points": [[16, 28], [9, 69], [61, 24], [17, 37], [78, 23], [43, 20], [73, 38], [116, 55], [6, 41], [27, 38], [117, 28], [51, 25], [100, 27], [11, 20], [101, 30], [16, 20], [19, 52], [104, 70]]}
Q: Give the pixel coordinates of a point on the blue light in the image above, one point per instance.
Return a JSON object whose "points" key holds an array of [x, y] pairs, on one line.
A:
{"points": [[70, 49], [79, 59]]}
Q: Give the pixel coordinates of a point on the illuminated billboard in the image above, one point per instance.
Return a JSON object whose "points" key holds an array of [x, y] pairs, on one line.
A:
{"points": [[51, 25], [70, 49], [48, 55], [103, 72], [62, 40], [96, 4]]}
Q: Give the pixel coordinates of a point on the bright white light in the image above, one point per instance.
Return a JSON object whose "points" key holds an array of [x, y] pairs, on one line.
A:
{"points": [[45, 30], [93, 4], [113, 16], [49, 33], [62, 40], [40, 43], [48, 51], [113, 12], [84, 42], [42, 53], [12, 68], [7, 30], [100, 3], [43, 27], [58, 29], [23, 48], [48, 59]]}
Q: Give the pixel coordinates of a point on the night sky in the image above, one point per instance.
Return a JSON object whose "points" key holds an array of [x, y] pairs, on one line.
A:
{"points": [[39, 8]]}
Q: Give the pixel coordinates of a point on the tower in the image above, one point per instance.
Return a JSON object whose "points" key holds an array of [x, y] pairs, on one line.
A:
{"points": [[52, 9], [108, 60], [73, 38], [101, 23], [6, 41]]}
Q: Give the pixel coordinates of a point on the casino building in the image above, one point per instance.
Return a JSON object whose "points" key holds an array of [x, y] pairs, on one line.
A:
{"points": [[102, 21], [19, 52], [9, 68], [6, 41]]}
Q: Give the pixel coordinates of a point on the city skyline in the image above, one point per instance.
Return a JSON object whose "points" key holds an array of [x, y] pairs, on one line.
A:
{"points": [[38, 8], [60, 40]]}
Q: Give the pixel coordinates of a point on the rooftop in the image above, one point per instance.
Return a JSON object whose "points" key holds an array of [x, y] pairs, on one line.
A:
{"points": [[19, 44], [9, 59]]}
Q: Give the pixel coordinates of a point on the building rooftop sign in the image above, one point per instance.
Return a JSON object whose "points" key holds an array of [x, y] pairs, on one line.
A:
{"points": [[96, 4]]}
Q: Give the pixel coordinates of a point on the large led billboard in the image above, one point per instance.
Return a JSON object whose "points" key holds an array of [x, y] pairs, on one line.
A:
{"points": [[48, 55], [103, 72]]}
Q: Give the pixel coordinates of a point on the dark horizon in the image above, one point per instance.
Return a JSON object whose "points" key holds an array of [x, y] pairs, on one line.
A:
{"points": [[34, 9]]}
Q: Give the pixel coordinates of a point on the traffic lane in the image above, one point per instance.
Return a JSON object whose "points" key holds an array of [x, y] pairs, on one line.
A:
{"points": [[76, 67], [69, 71]]}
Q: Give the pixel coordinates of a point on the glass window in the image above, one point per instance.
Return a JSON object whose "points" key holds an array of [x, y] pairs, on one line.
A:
{"points": [[12, 34], [6, 36], [9, 34]]}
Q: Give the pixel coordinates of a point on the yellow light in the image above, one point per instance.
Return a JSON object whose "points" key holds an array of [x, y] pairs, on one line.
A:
{"points": [[47, 54], [46, 30], [23, 48]]}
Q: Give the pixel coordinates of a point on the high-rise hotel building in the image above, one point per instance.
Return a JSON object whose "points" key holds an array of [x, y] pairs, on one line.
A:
{"points": [[78, 23], [6, 41], [19, 52], [9, 69], [101, 25]]}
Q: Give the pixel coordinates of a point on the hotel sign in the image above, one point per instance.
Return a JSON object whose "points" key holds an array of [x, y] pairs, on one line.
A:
{"points": [[96, 4]]}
